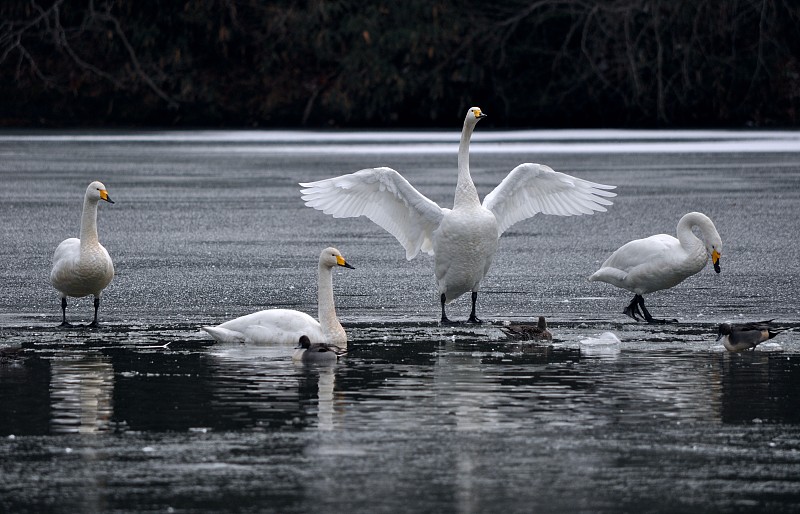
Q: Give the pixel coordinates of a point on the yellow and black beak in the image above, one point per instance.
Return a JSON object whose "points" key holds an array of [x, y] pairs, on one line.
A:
{"points": [[715, 259], [104, 196], [480, 114], [341, 262]]}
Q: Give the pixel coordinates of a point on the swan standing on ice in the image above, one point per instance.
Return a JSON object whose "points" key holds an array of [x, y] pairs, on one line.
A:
{"points": [[286, 326], [82, 266], [463, 240], [661, 261]]}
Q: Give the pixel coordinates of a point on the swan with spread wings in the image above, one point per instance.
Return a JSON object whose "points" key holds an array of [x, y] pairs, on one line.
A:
{"points": [[463, 240]]}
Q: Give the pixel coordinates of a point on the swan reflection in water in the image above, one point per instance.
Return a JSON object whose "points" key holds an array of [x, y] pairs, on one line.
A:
{"points": [[265, 383], [81, 394]]}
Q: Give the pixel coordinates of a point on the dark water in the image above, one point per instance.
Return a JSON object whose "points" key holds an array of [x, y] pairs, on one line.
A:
{"points": [[145, 414]]}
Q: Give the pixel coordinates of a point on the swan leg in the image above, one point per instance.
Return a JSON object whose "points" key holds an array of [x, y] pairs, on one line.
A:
{"points": [[445, 319], [633, 308], [648, 317], [96, 306], [472, 317], [64, 312]]}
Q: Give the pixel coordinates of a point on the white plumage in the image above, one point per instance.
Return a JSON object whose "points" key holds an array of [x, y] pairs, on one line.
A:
{"points": [[82, 266], [464, 239], [661, 261], [287, 326]]}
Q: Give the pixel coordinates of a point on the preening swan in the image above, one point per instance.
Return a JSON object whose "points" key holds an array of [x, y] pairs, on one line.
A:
{"points": [[661, 261], [746, 336], [286, 326], [82, 266], [463, 240]]}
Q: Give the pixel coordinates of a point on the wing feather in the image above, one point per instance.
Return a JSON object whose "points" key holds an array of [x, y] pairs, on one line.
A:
{"points": [[383, 196], [533, 188]]}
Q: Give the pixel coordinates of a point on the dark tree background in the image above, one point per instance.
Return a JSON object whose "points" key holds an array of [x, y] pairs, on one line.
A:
{"points": [[399, 63]]}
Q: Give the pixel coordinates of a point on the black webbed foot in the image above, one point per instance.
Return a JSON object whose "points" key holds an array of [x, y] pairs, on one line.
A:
{"points": [[632, 310]]}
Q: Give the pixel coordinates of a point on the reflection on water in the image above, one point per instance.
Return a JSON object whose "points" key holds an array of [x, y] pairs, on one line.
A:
{"points": [[81, 391], [419, 424], [325, 385], [460, 385]]}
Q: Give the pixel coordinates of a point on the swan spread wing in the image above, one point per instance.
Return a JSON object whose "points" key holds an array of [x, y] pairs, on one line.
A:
{"points": [[383, 196], [533, 188]]}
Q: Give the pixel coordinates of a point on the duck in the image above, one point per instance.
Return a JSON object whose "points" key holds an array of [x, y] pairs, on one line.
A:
{"points": [[287, 326], [661, 262], [82, 266], [746, 336], [463, 240], [309, 352], [528, 332]]}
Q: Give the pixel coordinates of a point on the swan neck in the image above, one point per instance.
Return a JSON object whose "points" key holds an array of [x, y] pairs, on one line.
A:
{"points": [[466, 194], [326, 310], [89, 223], [686, 235]]}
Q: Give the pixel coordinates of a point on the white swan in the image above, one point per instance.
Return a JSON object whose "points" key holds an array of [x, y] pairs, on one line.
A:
{"points": [[463, 240], [661, 261], [286, 326], [82, 266]]}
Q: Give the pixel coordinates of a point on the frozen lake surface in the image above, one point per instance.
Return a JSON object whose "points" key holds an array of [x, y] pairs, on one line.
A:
{"points": [[146, 414]]}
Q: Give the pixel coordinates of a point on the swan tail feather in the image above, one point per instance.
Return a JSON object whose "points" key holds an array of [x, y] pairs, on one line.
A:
{"points": [[610, 275], [223, 335]]}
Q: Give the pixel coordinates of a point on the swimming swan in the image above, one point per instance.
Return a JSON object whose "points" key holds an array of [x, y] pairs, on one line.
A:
{"points": [[661, 261], [286, 326], [463, 240], [82, 266]]}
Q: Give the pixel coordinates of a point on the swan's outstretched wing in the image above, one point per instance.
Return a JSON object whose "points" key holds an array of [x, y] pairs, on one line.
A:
{"points": [[385, 197], [533, 188]]}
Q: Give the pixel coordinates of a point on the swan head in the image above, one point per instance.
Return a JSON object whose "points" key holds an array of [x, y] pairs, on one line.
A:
{"points": [[474, 115], [710, 236], [715, 259], [331, 257], [714, 248], [97, 191]]}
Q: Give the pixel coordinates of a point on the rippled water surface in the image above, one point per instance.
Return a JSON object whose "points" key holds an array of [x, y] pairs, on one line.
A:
{"points": [[413, 418], [146, 414]]}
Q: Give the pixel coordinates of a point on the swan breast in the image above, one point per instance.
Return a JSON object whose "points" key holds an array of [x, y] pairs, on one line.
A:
{"points": [[464, 246], [80, 272]]}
